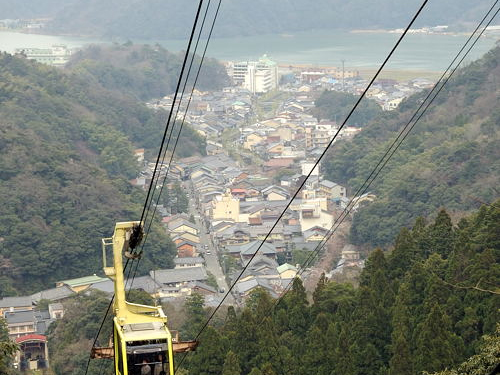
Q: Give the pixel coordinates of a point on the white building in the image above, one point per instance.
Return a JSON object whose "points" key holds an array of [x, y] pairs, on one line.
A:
{"points": [[57, 55], [256, 76]]}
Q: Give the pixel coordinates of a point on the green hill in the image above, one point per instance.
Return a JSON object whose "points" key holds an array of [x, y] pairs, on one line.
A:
{"points": [[451, 159], [66, 143], [422, 307], [145, 71]]}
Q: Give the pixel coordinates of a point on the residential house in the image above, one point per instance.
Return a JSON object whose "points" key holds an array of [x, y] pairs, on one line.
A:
{"points": [[13, 304], [182, 226], [186, 249], [56, 310], [226, 207], [331, 190], [54, 294], [179, 277], [185, 236], [275, 149], [274, 164], [246, 251], [315, 234], [202, 288], [312, 215], [287, 271], [21, 323], [252, 140], [275, 193], [184, 262], [81, 283]]}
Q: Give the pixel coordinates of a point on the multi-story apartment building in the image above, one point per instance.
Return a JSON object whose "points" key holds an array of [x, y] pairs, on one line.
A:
{"points": [[256, 76], [320, 135]]}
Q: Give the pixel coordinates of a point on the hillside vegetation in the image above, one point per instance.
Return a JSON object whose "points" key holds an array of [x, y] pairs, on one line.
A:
{"points": [[423, 307], [169, 19], [450, 159], [66, 143], [145, 71], [335, 105]]}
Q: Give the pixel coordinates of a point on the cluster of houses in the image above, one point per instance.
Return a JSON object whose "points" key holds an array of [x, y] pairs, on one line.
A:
{"points": [[210, 113], [239, 203], [388, 93]]}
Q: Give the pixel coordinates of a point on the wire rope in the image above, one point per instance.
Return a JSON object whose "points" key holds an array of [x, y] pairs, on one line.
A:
{"points": [[397, 141], [309, 174]]}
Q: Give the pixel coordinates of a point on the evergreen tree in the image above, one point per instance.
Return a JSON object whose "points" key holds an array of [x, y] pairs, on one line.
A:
{"points": [[208, 359], [402, 257], [231, 364], [401, 362], [442, 235], [7, 348], [317, 343], [371, 331], [195, 316], [245, 342], [297, 306], [343, 355], [437, 346], [318, 292]]}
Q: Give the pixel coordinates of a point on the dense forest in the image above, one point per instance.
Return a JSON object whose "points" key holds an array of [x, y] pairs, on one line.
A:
{"points": [[144, 71], [336, 105], [425, 306], [66, 142], [450, 159], [160, 20]]}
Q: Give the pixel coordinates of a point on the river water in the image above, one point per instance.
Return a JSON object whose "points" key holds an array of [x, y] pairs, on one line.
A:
{"points": [[323, 48]]}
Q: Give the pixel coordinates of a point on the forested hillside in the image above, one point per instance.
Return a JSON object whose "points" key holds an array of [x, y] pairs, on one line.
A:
{"points": [[423, 307], [335, 105], [450, 159], [167, 19], [66, 144], [145, 71]]}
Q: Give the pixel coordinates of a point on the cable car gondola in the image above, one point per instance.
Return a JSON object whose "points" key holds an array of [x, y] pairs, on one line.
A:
{"points": [[142, 342]]}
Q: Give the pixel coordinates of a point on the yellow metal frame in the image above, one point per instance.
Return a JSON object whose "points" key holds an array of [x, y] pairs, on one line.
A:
{"points": [[125, 312]]}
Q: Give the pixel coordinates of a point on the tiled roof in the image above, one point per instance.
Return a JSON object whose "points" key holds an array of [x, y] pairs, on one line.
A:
{"points": [[54, 294], [169, 276], [286, 267], [86, 280], [15, 301], [189, 260]]}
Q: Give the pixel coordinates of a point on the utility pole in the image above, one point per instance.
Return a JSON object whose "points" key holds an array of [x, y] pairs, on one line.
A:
{"points": [[343, 75]]}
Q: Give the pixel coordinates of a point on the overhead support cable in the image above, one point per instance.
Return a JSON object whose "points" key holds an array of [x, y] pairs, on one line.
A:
{"points": [[311, 171], [181, 75], [183, 119], [398, 140], [156, 165]]}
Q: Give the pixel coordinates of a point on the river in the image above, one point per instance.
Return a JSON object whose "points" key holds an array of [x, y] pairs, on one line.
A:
{"points": [[426, 52]]}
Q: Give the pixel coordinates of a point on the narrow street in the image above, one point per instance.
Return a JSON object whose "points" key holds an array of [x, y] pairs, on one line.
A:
{"points": [[208, 250]]}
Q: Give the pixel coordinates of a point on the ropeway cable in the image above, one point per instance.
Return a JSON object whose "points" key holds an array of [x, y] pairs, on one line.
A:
{"points": [[397, 141], [183, 119], [156, 165], [312, 169]]}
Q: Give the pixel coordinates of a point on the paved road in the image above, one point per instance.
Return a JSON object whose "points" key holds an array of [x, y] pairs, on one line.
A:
{"points": [[211, 260]]}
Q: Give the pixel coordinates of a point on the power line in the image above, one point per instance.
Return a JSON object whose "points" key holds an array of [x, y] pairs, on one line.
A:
{"points": [[156, 165], [390, 151], [172, 108], [185, 112], [313, 168]]}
